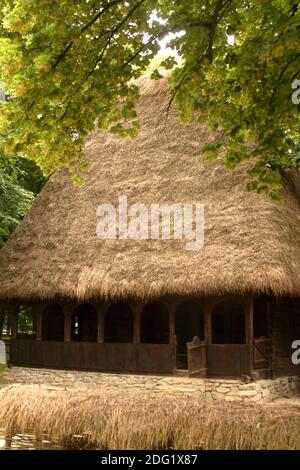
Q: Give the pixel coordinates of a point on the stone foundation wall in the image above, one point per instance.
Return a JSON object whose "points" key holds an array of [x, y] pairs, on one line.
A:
{"points": [[208, 389]]}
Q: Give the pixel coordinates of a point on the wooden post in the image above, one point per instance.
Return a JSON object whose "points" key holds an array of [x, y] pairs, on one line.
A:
{"points": [[68, 323], [203, 357], [101, 309], [207, 327], [249, 332], [137, 324], [8, 320], [39, 322], [14, 321], [269, 320], [172, 335], [172, 324], [2, 318]]}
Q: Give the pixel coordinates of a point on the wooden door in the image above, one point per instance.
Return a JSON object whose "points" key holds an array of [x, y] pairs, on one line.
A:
{"points": [[196, 351]]}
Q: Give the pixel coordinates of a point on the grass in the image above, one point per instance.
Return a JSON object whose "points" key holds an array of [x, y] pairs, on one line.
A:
{"points": [[2, 368], [116, 419]]}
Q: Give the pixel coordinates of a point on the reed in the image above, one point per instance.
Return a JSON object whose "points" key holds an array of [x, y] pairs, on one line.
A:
{"points": [[122, 419]]}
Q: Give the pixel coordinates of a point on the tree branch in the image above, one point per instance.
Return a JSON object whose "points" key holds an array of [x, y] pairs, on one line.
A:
{"points": [[224, 8], [213, 27], [113, 32], [100, 13], [294, 9], [181, 81], [61, 56], [144, 46], [275, 84], [100, 56]]}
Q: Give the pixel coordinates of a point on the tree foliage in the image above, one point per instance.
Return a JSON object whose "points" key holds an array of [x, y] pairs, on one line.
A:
{"points": [[243, 90], [68, 65], [20, 180]]}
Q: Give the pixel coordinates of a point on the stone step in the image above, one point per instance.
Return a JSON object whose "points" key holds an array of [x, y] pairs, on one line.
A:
{"points": [[259, 374], [182, 373]]}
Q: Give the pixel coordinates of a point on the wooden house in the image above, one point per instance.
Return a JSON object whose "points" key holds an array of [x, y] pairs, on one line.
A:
{"points": [[137, 305]]}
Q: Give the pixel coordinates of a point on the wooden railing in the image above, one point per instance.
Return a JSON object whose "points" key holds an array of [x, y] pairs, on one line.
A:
{"points": [[123, 357]]}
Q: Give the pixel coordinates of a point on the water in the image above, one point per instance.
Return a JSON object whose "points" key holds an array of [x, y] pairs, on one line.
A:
{"points": [[26, 442]]}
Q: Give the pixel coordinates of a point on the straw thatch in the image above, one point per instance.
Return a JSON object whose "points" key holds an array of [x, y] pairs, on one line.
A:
{"points": [[251, 243], [114, 420]]}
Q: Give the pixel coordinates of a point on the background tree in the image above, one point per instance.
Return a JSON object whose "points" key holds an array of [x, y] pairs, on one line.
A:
{"points": [[67, 65], [20, 181], [241, 59]]}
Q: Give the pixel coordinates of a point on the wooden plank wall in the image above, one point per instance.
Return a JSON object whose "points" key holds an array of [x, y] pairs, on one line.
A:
{"points": [[228, 360], [122, 357]]}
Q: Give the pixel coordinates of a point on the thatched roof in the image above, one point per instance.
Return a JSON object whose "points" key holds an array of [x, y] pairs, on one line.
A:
{"points": [[252, 244]]}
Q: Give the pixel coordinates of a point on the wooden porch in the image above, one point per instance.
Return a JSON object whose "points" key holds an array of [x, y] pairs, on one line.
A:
{"points": [[197, 337]]}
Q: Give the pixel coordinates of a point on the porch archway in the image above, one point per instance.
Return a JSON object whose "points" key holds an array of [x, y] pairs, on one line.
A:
{"points": [[53, 323], [118, 323], [228, 325], [189, 322], [84, 325], [27, 320], [155, 323]]}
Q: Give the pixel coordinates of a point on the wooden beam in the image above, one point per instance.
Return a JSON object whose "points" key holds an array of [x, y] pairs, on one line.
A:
{"points": [[137, 324], [68, 310], [269, 319], [172, 339], [249, 332], [14, 321], [2, 318], [8, 321], [207, 327], [172, 332], [39, 321], [101, 309], [203, 356], [270, 336]]}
